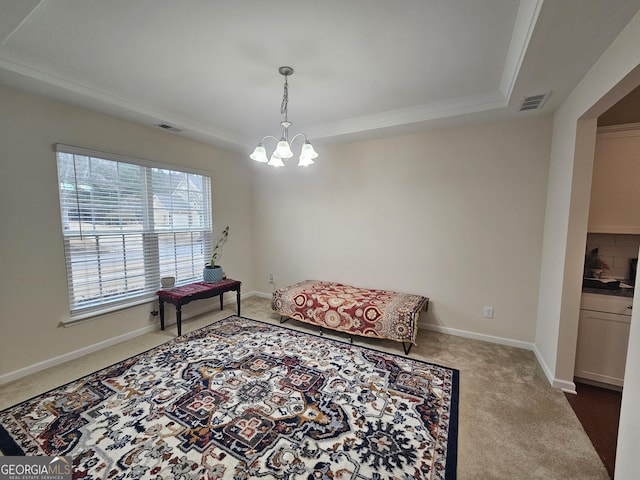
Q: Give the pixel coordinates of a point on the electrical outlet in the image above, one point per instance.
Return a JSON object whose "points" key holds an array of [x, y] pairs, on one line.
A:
{"points": [[271, 278], [488, 312]]}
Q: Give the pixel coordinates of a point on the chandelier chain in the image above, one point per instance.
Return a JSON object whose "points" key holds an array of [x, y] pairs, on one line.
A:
{"points": [[285, 99]]}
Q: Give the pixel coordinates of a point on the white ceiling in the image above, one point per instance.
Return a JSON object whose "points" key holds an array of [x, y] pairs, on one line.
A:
{"points": [[362, 67]]}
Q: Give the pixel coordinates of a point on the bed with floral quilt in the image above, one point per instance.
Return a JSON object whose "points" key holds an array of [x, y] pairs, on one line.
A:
{"points": [[357, 311]]}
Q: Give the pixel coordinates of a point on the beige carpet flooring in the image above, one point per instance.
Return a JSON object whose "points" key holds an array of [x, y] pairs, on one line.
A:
{"points": [[512, 424]]}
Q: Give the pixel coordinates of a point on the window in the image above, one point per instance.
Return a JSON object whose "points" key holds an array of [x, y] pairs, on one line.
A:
{"points": [[127, 223]]}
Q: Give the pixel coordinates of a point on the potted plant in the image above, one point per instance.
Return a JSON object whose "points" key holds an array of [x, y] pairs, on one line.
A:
{"points": [[212, 272], [593, 265]]}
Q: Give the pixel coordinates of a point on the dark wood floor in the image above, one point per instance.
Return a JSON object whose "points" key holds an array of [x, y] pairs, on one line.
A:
{"points": [[598, 409]]}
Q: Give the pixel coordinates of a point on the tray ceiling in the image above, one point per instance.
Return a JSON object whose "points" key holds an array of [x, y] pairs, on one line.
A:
{"points": [[362, 67]]}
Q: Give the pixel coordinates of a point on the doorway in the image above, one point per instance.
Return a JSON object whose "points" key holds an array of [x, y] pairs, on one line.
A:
{"points": [[608, 111]]}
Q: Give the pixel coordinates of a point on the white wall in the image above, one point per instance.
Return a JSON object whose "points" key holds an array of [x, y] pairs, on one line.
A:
{"points": [[629, 433], [33, 292], [453, 214], [563, 249]]}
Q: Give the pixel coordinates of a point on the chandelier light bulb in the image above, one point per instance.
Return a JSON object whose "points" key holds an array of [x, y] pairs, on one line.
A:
{"points": [[259, 154], [283, 149], [308, 151], [305, 161], [275, 161]]}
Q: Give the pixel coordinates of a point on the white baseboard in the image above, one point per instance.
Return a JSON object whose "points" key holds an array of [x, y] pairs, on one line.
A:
{"points": [[36, 367], [564, 385], [543, 364], [262, 294], [169, 320], [477, 336]]}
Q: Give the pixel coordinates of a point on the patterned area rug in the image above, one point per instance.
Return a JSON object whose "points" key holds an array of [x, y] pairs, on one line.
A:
{"points": [[244, 399]]}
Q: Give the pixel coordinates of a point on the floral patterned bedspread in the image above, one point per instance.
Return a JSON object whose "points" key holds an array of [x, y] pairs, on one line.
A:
{"points": [[361, 311]]}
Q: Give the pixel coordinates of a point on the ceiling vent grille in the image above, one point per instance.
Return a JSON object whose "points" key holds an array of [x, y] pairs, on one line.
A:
{"points": [[533, 102], [166, 126]]}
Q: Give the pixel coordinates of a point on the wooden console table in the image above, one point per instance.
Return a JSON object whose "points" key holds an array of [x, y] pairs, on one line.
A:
{"points": [[184, 294]]}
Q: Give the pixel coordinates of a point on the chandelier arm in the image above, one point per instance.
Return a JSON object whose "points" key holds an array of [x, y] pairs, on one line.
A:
{"points": [[296, 136], [269, 136]]}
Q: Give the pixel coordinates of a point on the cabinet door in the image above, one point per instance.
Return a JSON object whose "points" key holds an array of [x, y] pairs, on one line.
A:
{"points": [[615, 195], [602, 346], [606, 303]]}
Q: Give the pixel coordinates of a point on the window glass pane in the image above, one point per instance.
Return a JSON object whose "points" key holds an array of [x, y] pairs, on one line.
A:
{"points": [[126, 225], [182, 255]]}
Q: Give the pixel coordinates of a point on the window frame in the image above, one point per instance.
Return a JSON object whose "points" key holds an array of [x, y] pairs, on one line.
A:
{"points": [[149, 232]]}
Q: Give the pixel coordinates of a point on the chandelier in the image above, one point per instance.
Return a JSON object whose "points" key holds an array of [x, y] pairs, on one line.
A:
{"points": [[283, 146]]}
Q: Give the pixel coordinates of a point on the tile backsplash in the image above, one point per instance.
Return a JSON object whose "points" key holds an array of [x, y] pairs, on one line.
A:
{"points": [[615, 250]]}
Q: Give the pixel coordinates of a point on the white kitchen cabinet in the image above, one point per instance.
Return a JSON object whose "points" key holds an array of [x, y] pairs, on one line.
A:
{"points": [[603, 337], [615, 195]]}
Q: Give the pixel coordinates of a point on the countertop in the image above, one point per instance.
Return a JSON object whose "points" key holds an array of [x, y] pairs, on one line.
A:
{"points": [[617, 292]]}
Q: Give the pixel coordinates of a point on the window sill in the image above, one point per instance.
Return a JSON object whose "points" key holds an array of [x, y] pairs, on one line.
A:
{"points": [[92, 314]]}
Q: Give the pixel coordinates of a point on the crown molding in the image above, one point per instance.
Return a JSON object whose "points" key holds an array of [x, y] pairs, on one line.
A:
{"points": [[624, 127], [526, 20], [41, 71], [410, 115]]}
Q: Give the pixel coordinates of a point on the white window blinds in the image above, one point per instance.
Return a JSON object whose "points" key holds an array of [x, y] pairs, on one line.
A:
{"points": [[127, 223]]}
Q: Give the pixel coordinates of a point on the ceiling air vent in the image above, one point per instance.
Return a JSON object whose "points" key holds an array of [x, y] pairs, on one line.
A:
{"points": [[533, 102], [166, 126]]}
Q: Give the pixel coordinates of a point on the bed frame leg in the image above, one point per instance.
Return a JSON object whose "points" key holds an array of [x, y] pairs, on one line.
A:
{"points": [[283, 319], [407, 350], [351, 340]]}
